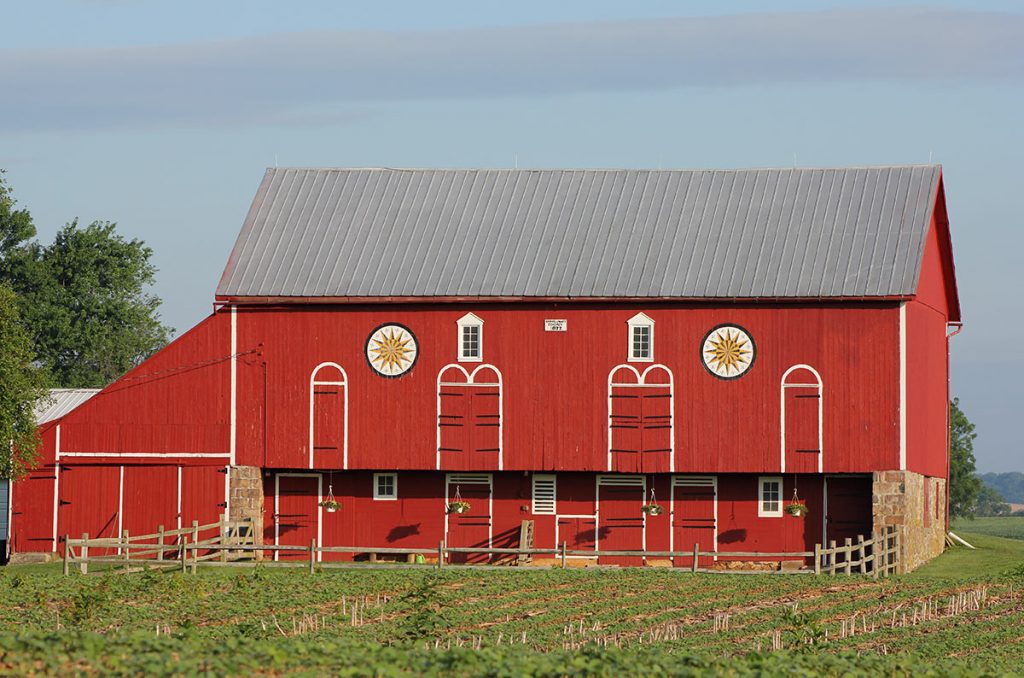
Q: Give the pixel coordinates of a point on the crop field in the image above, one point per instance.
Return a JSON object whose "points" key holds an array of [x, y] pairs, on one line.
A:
{"points": [[1011, 527], [507, 621]]}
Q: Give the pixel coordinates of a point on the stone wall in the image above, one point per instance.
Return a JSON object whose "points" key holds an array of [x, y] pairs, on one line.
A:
{"points": [[915, 504], [245, 486]]}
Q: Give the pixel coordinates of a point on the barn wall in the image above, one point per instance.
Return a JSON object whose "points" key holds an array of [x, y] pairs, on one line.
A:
{"points": [[554, 390], [927, 391]]}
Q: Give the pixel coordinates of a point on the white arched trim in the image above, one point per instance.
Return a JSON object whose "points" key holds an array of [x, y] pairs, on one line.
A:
{"points": [[641, 382], [782, 411], [471, 381], [313, 383]]}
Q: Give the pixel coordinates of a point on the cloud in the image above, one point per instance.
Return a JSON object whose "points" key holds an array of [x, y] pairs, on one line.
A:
{"points": [[280, 79]]}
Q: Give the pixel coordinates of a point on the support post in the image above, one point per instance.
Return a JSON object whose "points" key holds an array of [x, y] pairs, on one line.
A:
{"points": [[696, 557], [160, 542], [832, 559], [440, 554], [184, 552], [563, 554], [817, 559], [312, 555], [127, 550], [860, 553], [67, 549], [223, 538], [848, 545], [84, 566]]}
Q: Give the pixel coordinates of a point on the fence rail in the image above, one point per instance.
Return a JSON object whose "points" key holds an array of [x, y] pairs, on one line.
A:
{"points": [[233, 542]]}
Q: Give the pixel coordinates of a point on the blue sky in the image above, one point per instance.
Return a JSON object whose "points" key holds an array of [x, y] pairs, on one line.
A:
{"points": [[162, 117]]}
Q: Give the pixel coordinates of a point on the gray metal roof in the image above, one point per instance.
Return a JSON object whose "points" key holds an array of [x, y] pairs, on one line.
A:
{"points": [[756, 233], [60, 401]]}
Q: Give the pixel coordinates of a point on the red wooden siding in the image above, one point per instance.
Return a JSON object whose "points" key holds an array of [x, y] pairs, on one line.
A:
{"points": [[554, 387]]}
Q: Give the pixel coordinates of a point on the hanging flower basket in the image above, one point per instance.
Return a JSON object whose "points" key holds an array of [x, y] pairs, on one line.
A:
{"points": [[330, 505], [458, 506], [797, 509], [652, 509]]}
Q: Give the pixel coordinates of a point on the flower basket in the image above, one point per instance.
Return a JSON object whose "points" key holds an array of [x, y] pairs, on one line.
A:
{"points": [[458, 506], [797, 509], [330, 505], [652, 509]]}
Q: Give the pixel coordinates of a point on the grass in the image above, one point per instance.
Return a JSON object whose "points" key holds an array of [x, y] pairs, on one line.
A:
{"points": [[962, 614], [1011, 527]]}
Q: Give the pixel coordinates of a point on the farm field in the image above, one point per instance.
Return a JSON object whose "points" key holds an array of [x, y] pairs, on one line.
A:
{"points": [[961, 620], [1011, 527]]}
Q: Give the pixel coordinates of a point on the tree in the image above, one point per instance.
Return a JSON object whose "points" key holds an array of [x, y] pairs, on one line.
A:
{"points": [[964, 484], [22, 387], [83, 298], [990, 503]]}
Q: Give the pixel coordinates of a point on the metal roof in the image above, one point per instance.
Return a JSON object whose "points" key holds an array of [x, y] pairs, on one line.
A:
{"points": [[753, 233], [61, 401]]}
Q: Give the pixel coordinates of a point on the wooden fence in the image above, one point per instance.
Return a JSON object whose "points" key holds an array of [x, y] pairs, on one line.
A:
{"points": [[233, 544]]}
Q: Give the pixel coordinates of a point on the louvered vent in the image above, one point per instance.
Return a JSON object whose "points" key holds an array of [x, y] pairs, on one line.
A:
{"points": [[544, 494]]}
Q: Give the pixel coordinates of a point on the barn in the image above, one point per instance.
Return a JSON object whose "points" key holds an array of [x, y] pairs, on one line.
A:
{"points": [[560, 347]]}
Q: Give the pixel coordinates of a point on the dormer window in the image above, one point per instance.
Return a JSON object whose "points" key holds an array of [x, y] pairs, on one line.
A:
{"points": [[641, 339], [471, 339]]}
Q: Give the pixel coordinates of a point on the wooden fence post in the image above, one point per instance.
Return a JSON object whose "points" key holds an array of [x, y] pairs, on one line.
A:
{"points": [[67, 549], [832, 560], [817, 559], [563, 554], [223, 538], [848, 545], [312, 555], [160, 542], [440, 554], [184, 552], [696, 550], [84, 566], [874, 554], [860, 554], [127, 549]]}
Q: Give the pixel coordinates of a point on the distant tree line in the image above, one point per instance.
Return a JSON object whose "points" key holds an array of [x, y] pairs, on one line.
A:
{"points": [[73, 313]]}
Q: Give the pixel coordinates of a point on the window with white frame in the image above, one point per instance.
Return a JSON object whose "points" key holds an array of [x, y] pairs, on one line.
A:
{"points": [[769, 503], [641, 339], [385, 486], [471, 339], [544, 494]]}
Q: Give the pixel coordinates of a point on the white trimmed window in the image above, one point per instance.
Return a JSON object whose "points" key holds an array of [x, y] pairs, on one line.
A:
{"points": [[385, 486], [544, 494], [641, 339], [769, 497], [471, 339]]}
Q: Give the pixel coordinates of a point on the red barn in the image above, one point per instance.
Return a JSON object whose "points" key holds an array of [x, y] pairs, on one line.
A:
{"points": [[561, 346]]}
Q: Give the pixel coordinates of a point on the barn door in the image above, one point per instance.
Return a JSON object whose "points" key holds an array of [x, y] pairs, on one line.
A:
{"points": [[150, 499], [32, 512], [296, 513], [469, 425], [847, 507], [801, 420], [473, 528], [694, 517], [88, 502], [640, 420], [620, 518]]}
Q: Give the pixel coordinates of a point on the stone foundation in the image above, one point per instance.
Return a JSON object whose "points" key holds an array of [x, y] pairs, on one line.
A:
{"points": [[245, 486], [916, 505]]}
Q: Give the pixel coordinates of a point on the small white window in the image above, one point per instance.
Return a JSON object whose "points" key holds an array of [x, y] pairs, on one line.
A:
{"points": [[641, 339], [544, 494], [471, 339], [769, 503], [385, 486]]}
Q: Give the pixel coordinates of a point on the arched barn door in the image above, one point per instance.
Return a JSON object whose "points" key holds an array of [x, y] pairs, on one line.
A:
{"points": [[469, 418], [640, 420], [328, 417], [801, 403]]}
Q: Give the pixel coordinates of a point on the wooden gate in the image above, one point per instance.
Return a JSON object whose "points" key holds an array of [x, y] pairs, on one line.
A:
{"points": [[296, 512], [620, 518], [472, 528], [694, 518]]}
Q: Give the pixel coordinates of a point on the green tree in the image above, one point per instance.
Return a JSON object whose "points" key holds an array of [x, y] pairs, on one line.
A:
{"points": [[83, 298], [964, 484], [990, 503], [22, 387]]}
